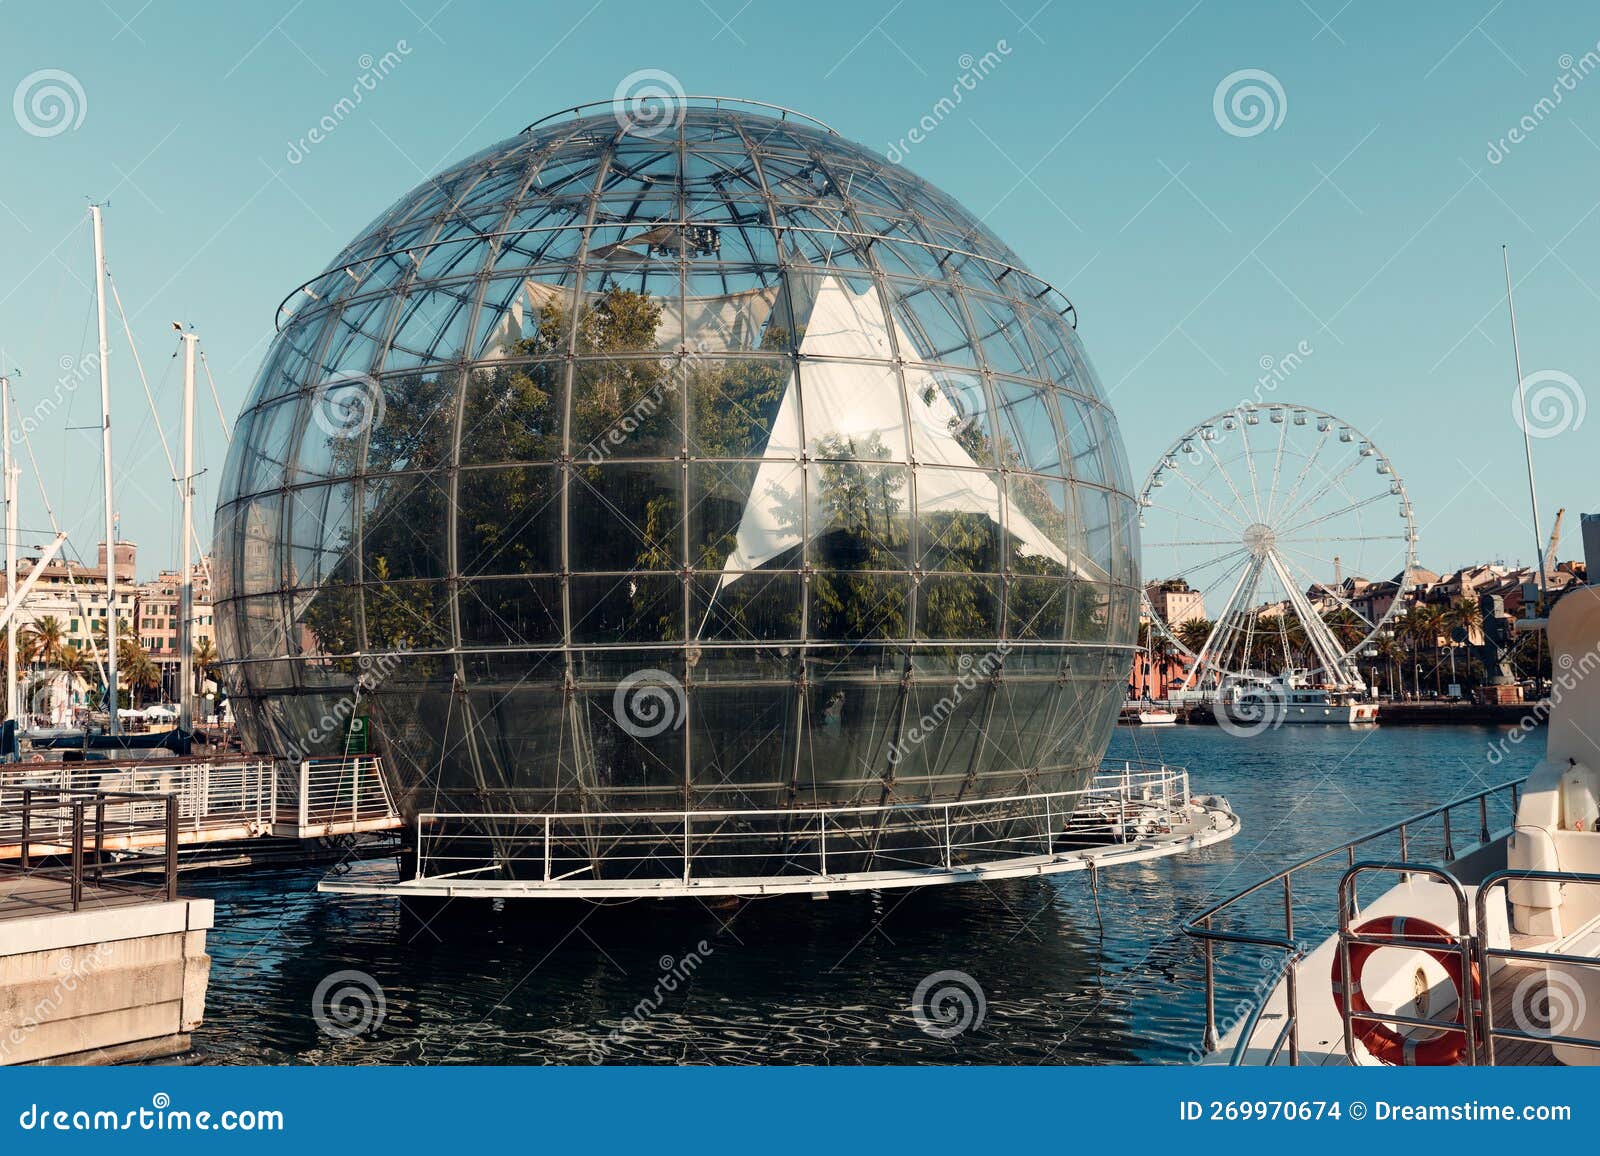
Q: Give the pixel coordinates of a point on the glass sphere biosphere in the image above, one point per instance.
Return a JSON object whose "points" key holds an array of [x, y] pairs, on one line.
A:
{"points": [[703, 462]]}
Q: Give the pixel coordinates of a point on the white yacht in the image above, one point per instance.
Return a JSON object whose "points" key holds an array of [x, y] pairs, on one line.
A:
{"points": [[1491, 901], [1292, 698], [1324, 704]]}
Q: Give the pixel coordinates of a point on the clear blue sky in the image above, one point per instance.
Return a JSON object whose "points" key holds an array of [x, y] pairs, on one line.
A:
{"points": [[1366, 224]]}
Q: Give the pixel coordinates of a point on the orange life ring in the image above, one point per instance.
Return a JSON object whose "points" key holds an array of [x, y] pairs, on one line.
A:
{"points": [[1386, 1043]]}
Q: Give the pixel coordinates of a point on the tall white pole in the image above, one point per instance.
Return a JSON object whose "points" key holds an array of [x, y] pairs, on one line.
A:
{"points": [[186, 597], [11, 547], [1527, 440], [112, 698]]}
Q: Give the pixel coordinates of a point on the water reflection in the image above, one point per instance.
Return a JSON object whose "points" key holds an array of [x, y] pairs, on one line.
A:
{"points": [[800, 981]]}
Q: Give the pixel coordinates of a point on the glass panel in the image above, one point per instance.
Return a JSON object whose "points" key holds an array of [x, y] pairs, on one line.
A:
{"points": [[415, 428], [258, 526], [404, 525], [931, 326], [745, 515], [510, 521], [326, 620], [432, 326], [735, 408], [524, 316], [852, 410], [1037, 608], [1002, 335], [1044, 535], [859, 607], [356, 341], [762, 607], [859, 516], [626, 408], [1028, 428], [958, 520], [1083, 440], [406, 615], [513, 413], [958, 607], [951, 423], [321, 535], [511, 612], [1094, 508], [268, 447], [630, 517], [628, 608]]}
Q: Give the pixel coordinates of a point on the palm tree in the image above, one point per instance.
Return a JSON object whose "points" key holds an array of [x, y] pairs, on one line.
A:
{"points": [[42, 641], [1464, 616], [72, 660], [204, 657], [1390, 654], [1193, 633], [142, 673], [1424, 623]]}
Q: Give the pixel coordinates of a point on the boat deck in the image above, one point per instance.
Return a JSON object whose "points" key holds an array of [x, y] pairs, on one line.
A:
{"points": [[1508, 993]]}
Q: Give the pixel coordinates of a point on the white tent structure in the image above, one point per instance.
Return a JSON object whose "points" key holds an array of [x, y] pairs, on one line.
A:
{"points": [[844, 399]]}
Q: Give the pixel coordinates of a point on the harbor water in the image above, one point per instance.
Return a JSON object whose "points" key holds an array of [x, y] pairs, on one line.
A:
{"points": [[1070, 969]]}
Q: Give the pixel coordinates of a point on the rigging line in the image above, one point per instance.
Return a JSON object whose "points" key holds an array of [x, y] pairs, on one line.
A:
{"points": [[138, 363], [55, 526], [1294, 490], [227, 433], [172, 465]]}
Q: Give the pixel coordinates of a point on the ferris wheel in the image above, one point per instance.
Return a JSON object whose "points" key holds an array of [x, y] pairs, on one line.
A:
{"points": [[1277, 540]]}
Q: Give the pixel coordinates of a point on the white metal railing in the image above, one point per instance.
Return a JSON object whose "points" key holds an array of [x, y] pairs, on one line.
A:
{"points": [[331, 792], [1119, 807], [237, 794], [225, 799]]}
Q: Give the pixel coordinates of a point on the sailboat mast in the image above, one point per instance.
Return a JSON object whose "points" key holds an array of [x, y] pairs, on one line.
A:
{"points": [[11, 548], [112, 698], [1527, 439], [186, 596]]}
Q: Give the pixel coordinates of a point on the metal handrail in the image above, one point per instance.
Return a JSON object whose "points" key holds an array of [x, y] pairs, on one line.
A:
{"points": [[1066, 311], [947, 830], [1504, 878], [1465, 946], [1199, 926], [688, 100], [76, 824]]}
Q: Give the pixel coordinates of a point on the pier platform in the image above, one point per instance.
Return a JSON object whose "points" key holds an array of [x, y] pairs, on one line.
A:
{"points": [[101, 961]]}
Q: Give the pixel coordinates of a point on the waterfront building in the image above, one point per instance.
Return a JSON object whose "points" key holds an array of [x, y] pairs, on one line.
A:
{"points": [[76, 597]]}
